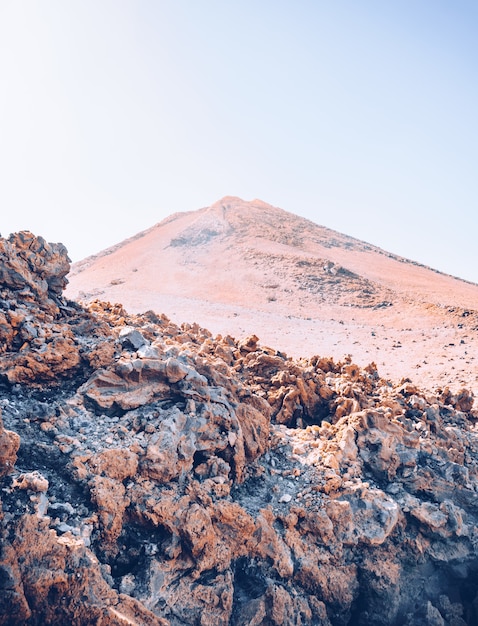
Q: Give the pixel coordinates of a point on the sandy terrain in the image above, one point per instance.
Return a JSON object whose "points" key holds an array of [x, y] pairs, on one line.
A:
{"points": [[245, 267]]}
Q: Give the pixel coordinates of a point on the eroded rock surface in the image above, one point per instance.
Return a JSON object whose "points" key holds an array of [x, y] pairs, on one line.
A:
{"points": [[155, 474]]}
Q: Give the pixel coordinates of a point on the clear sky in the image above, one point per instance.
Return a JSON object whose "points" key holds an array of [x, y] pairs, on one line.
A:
{"points": [[361, 115]]}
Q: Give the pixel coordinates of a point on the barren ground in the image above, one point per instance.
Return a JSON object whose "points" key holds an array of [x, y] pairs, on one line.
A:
{"points": [[244, 268]]}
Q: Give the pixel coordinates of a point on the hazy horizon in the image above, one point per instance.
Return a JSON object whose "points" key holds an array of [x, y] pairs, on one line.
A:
{"points": [[360, 117]]}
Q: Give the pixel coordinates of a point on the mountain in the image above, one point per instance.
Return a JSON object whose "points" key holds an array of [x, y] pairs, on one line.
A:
{"points": [[156, 475], [241, 267]]}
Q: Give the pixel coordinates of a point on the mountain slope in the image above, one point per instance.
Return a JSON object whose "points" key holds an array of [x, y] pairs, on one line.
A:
{"points": [[241, 267]]}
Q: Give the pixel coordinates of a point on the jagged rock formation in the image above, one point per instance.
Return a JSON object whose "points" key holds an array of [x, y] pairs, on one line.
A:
{"points": [[156, 474]]}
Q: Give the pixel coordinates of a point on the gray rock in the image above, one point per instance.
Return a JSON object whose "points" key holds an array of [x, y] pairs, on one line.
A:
{"points": [[132, 339]]}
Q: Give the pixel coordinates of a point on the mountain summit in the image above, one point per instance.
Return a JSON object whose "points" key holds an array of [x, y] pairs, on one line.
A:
{"points": [[239, 267]]}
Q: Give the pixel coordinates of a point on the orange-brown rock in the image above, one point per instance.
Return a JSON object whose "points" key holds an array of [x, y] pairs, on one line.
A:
{"points": [[41, 337], [53, 579], [9, 444]]}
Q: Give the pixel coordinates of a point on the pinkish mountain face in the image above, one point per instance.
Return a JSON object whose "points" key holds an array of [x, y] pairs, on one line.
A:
{"points": [[240, 267]]}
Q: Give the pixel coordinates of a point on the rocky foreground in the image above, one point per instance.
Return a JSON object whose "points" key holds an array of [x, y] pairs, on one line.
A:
{"points": [[155, 474]]}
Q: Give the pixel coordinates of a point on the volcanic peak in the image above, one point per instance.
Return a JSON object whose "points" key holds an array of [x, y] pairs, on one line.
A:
{"points": [[242, 267]]}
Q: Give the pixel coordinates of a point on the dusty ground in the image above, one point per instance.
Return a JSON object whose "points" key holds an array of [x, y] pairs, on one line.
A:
{"points": [[245, 267]]}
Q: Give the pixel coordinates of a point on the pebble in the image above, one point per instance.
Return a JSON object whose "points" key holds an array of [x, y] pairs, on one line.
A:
{"points": [[65, 528], [286, 497]]}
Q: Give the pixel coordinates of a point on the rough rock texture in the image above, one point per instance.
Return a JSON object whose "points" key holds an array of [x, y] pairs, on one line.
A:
{"points": [[41, 337], [166, 476]]}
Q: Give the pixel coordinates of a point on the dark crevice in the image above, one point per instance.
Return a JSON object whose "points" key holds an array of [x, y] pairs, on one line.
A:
{"points": [[207, 577], [446, 588], [302, 418], [199, 458], [136, 545], [249, 581]]}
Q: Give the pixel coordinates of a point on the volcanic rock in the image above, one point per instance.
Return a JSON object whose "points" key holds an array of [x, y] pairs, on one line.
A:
{"points": [[179, 477], [9, 444]]}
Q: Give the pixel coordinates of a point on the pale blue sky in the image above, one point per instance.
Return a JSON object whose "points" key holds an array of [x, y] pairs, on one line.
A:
{"points": [[361, 115]]}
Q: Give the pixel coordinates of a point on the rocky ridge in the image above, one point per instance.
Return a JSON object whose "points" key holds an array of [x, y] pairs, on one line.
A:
{"points": [[157, 474]]}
